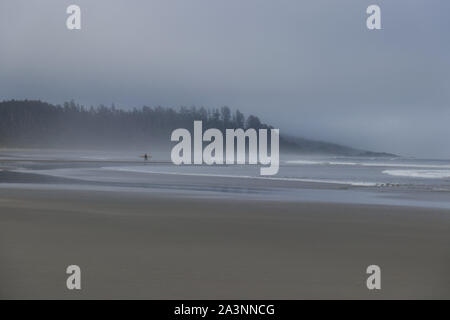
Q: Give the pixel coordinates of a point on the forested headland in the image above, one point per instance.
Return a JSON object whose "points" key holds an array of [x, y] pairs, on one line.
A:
{"points": [[37, 124]]}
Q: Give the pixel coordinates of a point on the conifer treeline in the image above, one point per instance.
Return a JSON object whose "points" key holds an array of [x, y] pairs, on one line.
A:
{"points": [[27, 123], [37, 124]]}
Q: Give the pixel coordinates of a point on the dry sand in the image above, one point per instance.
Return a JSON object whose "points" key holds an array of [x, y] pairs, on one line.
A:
{"points": [[139, 245]]}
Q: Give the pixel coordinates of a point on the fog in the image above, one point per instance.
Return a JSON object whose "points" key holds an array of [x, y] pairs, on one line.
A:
{"points": [[311, 68]]}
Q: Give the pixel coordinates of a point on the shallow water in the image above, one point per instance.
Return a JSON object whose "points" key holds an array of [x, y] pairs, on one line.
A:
{"points": [[383, 181]]}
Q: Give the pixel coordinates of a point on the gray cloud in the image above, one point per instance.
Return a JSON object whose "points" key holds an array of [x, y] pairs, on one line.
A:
{"points": [[310, 67]]}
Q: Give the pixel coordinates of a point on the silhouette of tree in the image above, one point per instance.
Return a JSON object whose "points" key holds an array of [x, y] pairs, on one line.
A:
{"points": [[34, 123]]}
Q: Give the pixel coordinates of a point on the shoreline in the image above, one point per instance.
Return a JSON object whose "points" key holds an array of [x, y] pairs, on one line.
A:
{"points": [[218, 186], [159, 236]]}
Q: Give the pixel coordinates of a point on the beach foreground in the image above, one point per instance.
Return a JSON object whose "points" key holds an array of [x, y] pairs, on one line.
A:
{"points": [[139, 245]]}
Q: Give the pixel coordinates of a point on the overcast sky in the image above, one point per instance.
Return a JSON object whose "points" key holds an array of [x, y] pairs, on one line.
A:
{"points": [[310, 67]]}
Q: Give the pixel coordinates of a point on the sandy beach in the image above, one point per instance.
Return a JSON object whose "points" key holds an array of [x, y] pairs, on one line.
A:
{"points": [[156, 246]]}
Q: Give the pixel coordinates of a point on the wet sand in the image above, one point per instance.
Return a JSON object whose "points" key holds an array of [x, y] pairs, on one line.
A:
{"points": [[154, 246]]}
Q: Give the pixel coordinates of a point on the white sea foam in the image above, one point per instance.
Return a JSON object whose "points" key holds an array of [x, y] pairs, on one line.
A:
{"points": [[426, 174], [406, 165], [368, 164], [339, 163], [306, 162], [146, 170]]}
